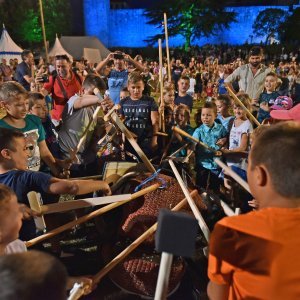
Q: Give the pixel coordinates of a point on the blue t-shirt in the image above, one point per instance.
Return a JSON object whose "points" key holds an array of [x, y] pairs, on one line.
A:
{"points": [[222, 89], [23, 182], [22, 70], [117, 80], [186, 100], [209, 136], [34, 133], [225, 121]]}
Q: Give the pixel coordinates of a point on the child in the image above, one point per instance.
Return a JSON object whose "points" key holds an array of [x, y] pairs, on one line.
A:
{"points": [[169, 96], [255, 255], [182, 119], [13, 98], [267, 98], [76, 116], [141, 115], [37, 106], [13, 173], [223, 104], [183, 97], [191, 90], [239, 135], [212, 134], [209, 90], [124, 93], [291, 114], [10, 222]]}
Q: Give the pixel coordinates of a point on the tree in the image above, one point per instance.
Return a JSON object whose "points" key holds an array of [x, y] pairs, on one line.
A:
{"points": [[290, 29], [190, 18], [268, 22], [22, 20]]}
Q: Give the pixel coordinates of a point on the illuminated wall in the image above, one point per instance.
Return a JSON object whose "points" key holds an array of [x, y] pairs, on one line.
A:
{"points": [[128, 27]]}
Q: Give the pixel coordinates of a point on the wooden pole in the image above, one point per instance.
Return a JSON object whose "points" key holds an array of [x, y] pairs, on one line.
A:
{"points": [[161, 81], [43, 29], [183, 133], [235, 176], [89, 216], [167, 46], [97, 277], [240, 103]]}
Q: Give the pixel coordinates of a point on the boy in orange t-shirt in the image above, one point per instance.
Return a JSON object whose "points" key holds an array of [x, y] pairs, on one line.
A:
{"points": [[256, 255]]}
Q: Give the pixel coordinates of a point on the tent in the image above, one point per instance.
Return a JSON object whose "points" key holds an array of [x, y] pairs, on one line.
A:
{"points": [[58, 49], [76, 45], [8, 48]]}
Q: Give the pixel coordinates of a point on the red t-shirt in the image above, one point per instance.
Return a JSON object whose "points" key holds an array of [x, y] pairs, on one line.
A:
{"points": [[71, 86]]}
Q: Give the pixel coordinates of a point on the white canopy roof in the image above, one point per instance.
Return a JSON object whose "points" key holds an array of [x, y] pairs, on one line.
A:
{"points": [[8, 48], [58, 49]]}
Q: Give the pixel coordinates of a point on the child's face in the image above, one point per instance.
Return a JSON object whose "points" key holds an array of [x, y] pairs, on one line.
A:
{"points": [[183, 85], [12, 221], [208, 116], [239, 112], [221, 107], [270, 83], [19, 154], [17, 108], [180, 118], [136, 90], [169, 98], [40, 109]]}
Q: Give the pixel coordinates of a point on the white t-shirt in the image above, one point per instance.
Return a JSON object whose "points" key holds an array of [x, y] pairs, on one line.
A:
{"points": [[235, 138], [16, 246]]}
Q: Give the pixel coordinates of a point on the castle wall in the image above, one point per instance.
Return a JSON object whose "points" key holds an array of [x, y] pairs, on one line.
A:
{"points": [[129, 28]]}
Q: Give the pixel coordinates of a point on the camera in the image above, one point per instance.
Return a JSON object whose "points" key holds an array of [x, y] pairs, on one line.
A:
{"points": [[44, 78], [118, 56]]}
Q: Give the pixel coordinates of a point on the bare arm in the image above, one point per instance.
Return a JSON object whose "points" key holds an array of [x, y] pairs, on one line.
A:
{"points": [[242, 148], [85, 101], [134, 62], [77, 187], [217, 291], [104, 62]]}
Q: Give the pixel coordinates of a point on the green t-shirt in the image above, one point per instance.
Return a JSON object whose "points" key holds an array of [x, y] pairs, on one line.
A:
{"points": [[34, 134]]}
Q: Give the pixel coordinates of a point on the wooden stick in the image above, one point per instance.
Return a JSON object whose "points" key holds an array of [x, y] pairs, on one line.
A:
{"points": [[34, 203], [240, 103], [227, 210], [161, 81], [89, 216], [81, 203], [86, 177], [133, 143], [43, 30], [183, 133], [107, 116], [97, 277], [235, 176], [161, 133], [191, 202], [167, 47]]}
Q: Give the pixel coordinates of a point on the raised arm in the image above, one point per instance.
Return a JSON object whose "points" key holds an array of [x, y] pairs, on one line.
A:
{"points": [[104, 62]]}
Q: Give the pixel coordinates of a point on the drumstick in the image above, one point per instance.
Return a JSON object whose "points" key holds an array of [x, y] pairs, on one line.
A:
{"points": [[190, 201], [97, 277], [183, 133], [161, 81], [235, 176], [89, 216], [167, 47], [240, 103]]}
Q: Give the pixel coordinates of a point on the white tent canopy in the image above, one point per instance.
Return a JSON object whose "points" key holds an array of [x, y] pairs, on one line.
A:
{"points": [[8, 48], [58, 49], [76, 45]]}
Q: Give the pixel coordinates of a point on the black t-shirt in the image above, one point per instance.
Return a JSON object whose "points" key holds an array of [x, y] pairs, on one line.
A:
{"points": [[137, 115], [187, 100]]}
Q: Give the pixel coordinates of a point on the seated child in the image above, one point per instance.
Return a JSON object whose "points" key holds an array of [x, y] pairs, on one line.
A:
{"points": [[213, 135], [182, 118], [267, 97], [13, 99], [140, 115], [14, 173], [37, 106], [76, 116], [223, 103], [256, 255]]}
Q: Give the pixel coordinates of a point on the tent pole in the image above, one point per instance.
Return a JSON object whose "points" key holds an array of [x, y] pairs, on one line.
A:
{"points": [[44, 31]]}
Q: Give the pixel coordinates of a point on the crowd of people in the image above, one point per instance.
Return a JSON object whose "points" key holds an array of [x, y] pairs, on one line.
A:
{"points": [[50, 107]]}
